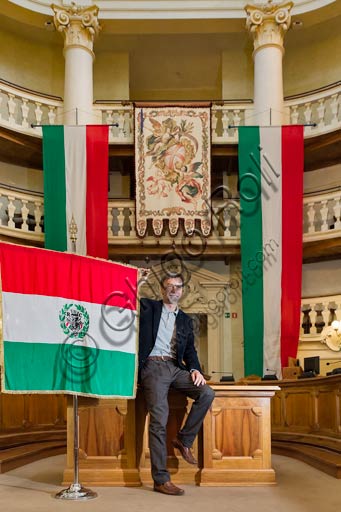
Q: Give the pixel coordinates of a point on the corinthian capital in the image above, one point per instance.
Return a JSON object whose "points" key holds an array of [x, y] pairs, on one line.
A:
{"points": [[268, 23], [79, 25]]}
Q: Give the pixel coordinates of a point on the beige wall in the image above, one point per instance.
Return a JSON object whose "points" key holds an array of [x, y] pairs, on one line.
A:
{"points": [[21, 177], [111, 76], [312, 57], [321, 278], [119, 186], [32, 180], [322, 179], [172, 66], [30, 64], [169, 67], [237, 68]]}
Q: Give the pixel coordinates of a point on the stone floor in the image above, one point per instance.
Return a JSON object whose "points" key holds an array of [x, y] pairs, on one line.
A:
{"points": [[300, 488]]}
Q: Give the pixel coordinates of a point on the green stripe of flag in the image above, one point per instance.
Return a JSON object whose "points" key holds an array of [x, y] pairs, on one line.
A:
{"points": [[54, 188], [40, 366], [251, 248]]}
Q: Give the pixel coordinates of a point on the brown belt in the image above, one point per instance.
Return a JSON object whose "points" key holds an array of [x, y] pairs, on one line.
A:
{"points": [[161, 358]]}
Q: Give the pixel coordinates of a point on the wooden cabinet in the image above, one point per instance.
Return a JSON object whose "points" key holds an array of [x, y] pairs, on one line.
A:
{"points": [[237, 437]]}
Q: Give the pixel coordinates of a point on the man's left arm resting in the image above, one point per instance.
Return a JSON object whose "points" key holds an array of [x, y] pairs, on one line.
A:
{"points": [[191, 359]]}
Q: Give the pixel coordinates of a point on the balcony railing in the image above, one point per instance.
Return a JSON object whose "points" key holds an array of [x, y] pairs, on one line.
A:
{"points": [[19, 109], [317, 313], [22, 216]]}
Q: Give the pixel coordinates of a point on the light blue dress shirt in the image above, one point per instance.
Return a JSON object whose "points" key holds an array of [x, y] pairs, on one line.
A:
{"points": [[165, 344]]}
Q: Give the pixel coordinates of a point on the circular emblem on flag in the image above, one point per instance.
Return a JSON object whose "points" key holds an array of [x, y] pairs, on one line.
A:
{"points": [[74, 320]]}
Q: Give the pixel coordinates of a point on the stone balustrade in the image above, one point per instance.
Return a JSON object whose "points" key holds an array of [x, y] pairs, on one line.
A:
{"points": [[316, 337], [20, 108], [321, 110], [120, 114], [317, 313], [22, 216], [321, 215]]}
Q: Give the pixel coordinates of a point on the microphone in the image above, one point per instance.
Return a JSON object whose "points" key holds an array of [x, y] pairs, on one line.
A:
{"points": [[226, 377], [335, 371], [270, 376]]}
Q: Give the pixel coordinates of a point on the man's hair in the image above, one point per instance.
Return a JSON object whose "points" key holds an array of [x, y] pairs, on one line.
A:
{"points": [[165, 277]]}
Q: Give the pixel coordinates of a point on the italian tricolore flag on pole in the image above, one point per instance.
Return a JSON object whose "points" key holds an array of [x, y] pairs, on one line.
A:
{"points": [[76, 189], [271, 192], [69, 323]]}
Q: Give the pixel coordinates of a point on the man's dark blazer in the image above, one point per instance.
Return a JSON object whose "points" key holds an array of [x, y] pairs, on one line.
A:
{"points": [[150, 314]]}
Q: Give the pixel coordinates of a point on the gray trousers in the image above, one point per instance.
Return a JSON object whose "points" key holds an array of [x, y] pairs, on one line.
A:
{"points": [[157, 377]]}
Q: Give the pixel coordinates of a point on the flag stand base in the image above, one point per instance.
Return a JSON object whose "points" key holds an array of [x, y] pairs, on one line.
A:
{"points": [[76, 492]]}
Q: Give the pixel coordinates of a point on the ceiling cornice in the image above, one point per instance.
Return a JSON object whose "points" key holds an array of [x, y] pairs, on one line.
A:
{"points": [[166, 9]]}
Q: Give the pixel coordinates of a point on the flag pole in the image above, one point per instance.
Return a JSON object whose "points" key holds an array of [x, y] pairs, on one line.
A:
{"points": [[76, 491], [270, 125]]}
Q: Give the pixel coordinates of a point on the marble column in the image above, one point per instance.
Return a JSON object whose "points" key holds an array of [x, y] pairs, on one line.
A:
{"points": [[267, 24], [79, 27]]}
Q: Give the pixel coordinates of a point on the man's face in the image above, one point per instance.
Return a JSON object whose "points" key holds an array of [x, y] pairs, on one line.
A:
{"points": [[171, 290]]}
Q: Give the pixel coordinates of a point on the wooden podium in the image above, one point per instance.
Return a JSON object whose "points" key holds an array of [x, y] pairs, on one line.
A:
{"points": [[237, 437], [234, 447]]}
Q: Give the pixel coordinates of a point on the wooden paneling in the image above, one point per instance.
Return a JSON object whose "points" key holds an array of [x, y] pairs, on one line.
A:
{"points": [[237, 437], [93, 439], [298, 408], [13, 415], [31, 427], [29, 412], [306, 421], [106, 440], [233, 428]]}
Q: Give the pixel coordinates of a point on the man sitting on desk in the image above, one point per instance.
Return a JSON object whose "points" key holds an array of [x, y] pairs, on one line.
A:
{"points": [[168, 359]]}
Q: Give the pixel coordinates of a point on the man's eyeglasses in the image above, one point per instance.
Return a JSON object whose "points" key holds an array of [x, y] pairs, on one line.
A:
{"points": [[171, 286]]}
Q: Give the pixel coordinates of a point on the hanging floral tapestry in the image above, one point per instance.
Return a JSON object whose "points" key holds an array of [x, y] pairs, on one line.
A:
{"points": [[172, 149]]}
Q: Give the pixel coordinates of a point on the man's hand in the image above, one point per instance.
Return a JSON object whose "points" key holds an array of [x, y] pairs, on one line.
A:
{"points": [[197, 378]]}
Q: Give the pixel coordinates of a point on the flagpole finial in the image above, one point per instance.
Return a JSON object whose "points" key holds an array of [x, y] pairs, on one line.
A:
{"points": [[73, 230]]}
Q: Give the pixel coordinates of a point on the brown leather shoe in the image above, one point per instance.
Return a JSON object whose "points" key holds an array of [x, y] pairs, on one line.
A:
{"points": [[168, 488], [185, 451]]}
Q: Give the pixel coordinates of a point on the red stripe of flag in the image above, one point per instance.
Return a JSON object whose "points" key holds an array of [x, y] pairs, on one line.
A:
{"points": [[29, 270], [97, 158], [292, 233]]}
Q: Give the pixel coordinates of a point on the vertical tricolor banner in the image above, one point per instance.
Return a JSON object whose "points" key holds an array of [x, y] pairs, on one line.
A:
{"points": [[69, 323], [271, 202], [76, 189]]}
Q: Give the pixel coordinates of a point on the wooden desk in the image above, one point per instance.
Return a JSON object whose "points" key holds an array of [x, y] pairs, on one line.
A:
{"points": [[234, 447], [237, 437]]}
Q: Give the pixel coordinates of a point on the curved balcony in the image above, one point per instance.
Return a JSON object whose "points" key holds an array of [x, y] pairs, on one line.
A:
{"points": [[20, 108], [22, 218]]}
